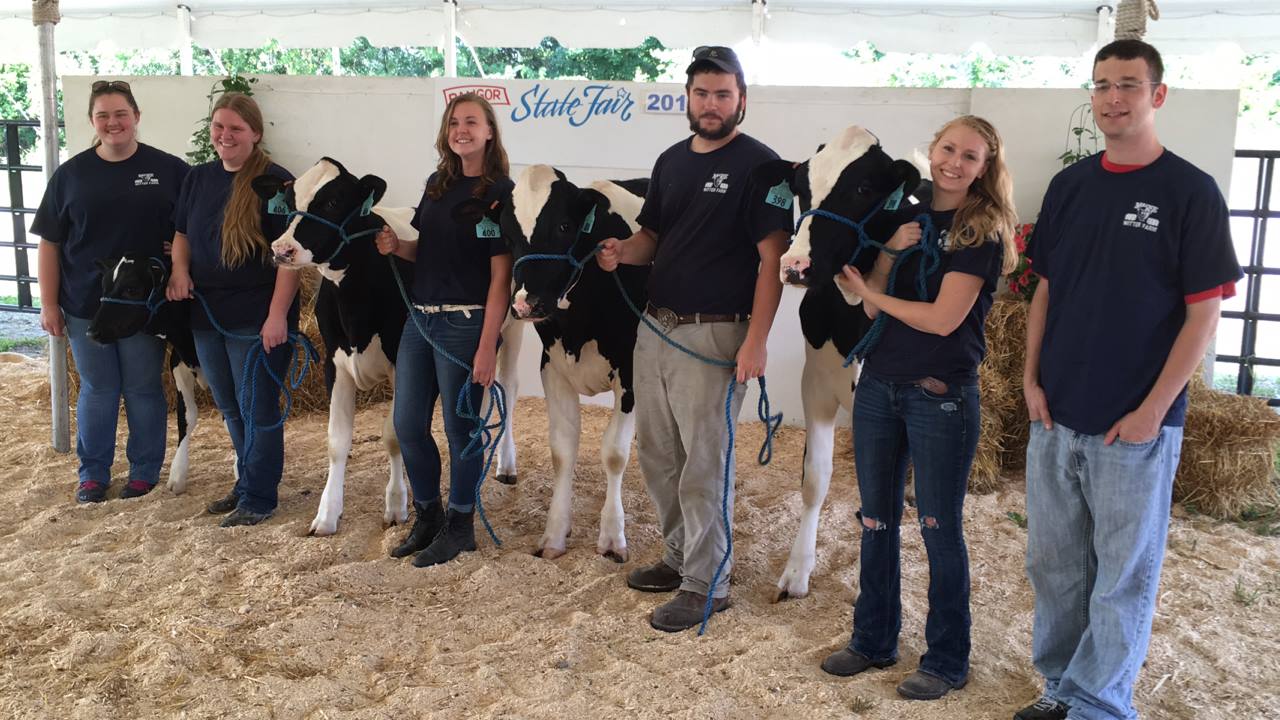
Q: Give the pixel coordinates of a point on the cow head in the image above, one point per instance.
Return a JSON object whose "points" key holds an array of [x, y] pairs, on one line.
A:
{"points": [[851, 177], [326, 191], [547, 214], [136, 279]]}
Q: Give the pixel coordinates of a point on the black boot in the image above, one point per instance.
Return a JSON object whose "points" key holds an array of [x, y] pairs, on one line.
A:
{"points": [[428, 523], [458, 536]]}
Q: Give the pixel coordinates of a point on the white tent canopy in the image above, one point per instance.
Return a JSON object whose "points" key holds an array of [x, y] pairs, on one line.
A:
{"points": [[1020, 27]]}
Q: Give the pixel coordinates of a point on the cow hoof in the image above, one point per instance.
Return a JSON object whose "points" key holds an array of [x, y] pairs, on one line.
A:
{"points": [[506, 479], [784, 595], [547, 553], [618, 556], [320, 528]]}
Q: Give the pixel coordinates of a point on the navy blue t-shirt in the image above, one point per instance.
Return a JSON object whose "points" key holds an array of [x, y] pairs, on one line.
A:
{"points": [[94, 209], [708, 220], [905, 354], [452, 267], [240, 298], [1123, 253]]}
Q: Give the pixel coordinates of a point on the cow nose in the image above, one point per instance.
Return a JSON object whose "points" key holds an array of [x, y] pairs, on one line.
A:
{"points": [[796, 272], [285, 257]]}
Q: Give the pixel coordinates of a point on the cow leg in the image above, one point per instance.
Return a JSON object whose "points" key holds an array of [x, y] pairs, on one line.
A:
{"points": [[615, 451], [564, 426], [397, 495], [184, 380], [508, 376], [820, 405], [342, 412]]}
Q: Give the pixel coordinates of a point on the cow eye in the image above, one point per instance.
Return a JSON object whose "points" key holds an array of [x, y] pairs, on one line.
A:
{"points": [[864, 189], [564, 227]]}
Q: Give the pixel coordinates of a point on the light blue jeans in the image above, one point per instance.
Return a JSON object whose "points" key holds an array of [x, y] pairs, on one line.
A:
{"points": [[1097, 520], [129, 368]]}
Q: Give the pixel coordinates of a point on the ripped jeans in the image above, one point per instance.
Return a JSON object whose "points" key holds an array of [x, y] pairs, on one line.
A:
{"points": [[893, 423]]}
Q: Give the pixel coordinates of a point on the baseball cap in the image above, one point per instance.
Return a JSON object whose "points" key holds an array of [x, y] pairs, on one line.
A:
{"points": [[722, 58]]}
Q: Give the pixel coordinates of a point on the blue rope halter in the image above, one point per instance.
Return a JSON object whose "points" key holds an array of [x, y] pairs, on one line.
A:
{"points": [[276, 204]]}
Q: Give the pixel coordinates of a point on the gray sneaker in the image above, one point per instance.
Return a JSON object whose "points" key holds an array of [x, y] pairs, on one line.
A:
{"points": [[1046, 708]]}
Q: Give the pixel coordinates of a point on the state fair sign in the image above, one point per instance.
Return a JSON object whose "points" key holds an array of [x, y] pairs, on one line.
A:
{"points": [[590, 129]]}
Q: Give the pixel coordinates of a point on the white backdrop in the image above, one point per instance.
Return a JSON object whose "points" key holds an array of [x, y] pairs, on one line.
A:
{"points": [[386, 126]]}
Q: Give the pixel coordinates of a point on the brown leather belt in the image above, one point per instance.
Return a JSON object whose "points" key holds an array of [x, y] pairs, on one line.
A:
{"points": [[669, 319]]}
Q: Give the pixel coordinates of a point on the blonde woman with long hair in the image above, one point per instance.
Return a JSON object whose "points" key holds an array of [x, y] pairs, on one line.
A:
{"points": [[221, 249], [917, 401]]}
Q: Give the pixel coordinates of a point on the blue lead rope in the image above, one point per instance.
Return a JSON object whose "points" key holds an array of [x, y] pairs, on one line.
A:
{"points": [[482, 436]]}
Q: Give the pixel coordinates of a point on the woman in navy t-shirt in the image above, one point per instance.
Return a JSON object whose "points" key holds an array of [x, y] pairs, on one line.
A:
{"points": [[114, 198], [461, 284], [221, 251], [917, 402]]}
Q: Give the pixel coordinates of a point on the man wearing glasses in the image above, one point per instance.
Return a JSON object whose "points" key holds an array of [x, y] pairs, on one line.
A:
{"points": [[715, 245], [1134, 255]]}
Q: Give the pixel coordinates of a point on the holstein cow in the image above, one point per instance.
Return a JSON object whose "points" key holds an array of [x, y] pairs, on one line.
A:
{"points": [[140, 280], [853, 178], [358, 309], [587, 331]]}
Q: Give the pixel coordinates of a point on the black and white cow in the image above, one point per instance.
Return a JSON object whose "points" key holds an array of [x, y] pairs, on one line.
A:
{"points": [[851, 177], [137, 278], [360, 314], [587, 332]]}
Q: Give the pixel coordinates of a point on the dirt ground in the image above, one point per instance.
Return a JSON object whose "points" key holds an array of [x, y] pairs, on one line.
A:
{"points": [[146, 609]]}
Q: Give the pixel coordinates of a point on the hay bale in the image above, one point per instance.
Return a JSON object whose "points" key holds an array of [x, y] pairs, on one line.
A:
{"points": [[1228, 450]]}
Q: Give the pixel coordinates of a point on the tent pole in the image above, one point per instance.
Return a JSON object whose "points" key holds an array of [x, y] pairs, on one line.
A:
{"points": [[757, 37], [1106, 24], [184, 39], [450, 38], [44, 14]]}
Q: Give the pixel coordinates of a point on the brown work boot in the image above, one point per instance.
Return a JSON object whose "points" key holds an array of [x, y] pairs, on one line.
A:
{"points": [[684, 611], [658, 577]]}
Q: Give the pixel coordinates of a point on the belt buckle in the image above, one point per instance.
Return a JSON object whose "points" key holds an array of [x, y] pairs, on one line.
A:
{"points": [[667, 319]]}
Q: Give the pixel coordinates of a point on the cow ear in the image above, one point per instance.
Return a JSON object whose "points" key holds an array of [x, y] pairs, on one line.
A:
{"points": [[773, 172], [923, 194], [266, 186], [105, 264], [372, 186], [472, 210], [905, 175]]}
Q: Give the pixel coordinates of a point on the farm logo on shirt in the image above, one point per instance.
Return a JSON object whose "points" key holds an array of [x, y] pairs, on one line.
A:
{"points": [[1143, 216], [717, 183], [146, 179]]}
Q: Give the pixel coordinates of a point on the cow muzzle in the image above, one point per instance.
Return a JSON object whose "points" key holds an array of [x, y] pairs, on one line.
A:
{"points": [[795, 272]]}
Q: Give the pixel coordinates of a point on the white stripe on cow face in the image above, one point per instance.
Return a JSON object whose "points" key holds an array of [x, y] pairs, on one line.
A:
{"points": [[530, 195], [115, 274], [306, 187], [824, 171], [626, 204]]}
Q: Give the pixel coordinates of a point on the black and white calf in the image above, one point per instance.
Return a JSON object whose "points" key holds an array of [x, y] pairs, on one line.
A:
{"points": [[137, 278], [359, 311], [851, 177], [587, 332]]}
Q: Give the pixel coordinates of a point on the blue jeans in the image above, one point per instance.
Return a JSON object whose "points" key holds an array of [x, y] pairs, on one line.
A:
{"points": [[130, 367], [222, 359], [1097, 519], [423, 376], [894, 423]]}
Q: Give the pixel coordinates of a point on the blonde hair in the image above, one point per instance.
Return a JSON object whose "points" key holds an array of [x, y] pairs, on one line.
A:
{"points": [[449, 169], [242, 237], [987, 210]]}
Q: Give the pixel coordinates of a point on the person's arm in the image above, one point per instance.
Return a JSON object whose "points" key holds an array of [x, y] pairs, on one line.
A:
{"points": [[753, 356], [276, 328], [49, 275], [390, 244], [180, 285], [907, 234], [484, 368], [1037, 312], [1184, 359], [638, 249], [956, 297]]}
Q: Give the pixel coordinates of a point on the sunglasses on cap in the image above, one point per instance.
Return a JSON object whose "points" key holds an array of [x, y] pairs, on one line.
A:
{"points": [[104, 85], [719, 52]]}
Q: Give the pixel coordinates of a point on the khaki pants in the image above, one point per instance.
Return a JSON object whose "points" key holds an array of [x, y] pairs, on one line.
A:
{"points": [[680, 443]]}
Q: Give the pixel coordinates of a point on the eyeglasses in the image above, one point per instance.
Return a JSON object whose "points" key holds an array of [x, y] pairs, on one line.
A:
{"points": [[1126, 87], [106, 85]]}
